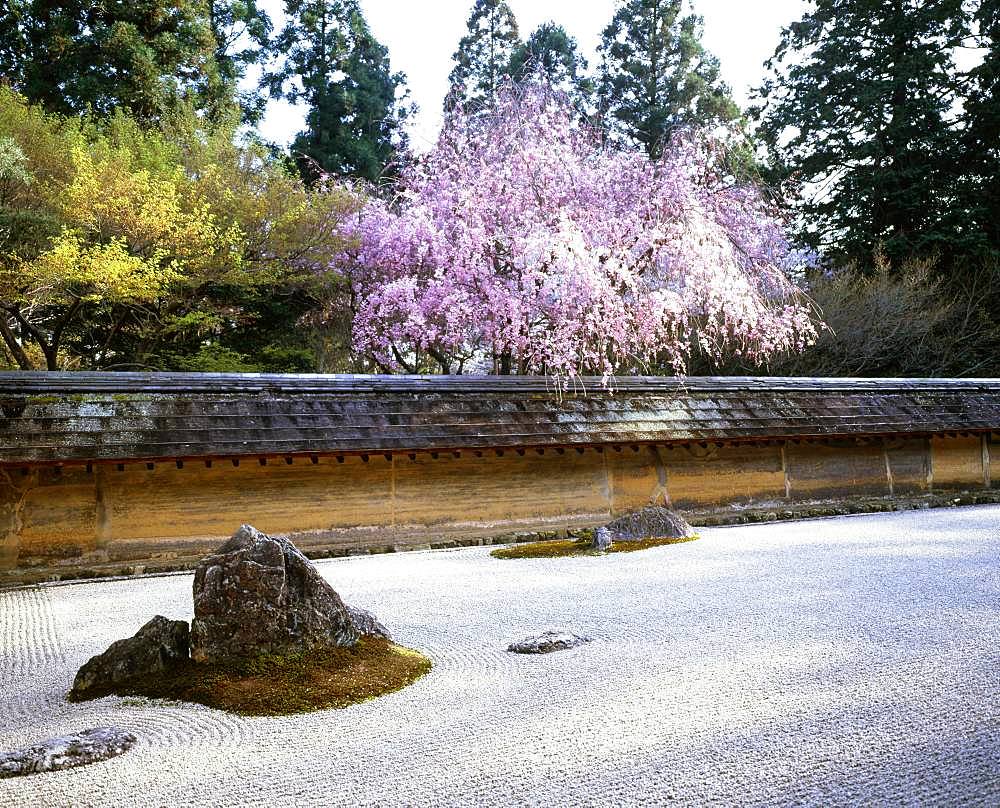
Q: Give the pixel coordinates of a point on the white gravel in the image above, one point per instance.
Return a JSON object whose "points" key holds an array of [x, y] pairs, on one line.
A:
{"points": [[835, 662]]}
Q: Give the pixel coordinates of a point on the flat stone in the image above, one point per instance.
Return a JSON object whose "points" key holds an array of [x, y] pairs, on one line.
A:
{"points": [[547, 642], [81, 749], [654, 522], [367, 624], [259, 594], [156, 647]]}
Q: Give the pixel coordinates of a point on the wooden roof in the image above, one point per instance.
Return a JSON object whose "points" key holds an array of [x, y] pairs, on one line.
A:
{"points": [[95, 417]]}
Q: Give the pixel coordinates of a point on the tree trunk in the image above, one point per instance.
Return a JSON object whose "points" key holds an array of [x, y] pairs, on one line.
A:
{"points": [[10, 340]]}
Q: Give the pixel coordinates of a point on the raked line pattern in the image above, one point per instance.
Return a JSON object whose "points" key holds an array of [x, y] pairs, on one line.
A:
{"points": [[833, 662]]}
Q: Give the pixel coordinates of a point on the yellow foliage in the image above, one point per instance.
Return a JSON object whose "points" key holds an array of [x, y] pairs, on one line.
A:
{"points": [[47, 141], [105, 271], [110, 199], [178, 222], [129, 234], [286, 230]]}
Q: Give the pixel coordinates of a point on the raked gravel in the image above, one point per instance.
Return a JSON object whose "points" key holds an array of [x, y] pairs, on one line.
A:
{"points": [[847, 661]]}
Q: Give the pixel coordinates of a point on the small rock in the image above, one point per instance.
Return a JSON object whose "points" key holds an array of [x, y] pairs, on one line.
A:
{"points": [[258, 594], [80, 749], [549, 641], [156, 647], [652, 522], [368, 624], [602, 539]]}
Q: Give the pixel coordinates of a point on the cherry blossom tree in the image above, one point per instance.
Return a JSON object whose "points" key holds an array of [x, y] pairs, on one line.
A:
{"points": [[522, 243]]}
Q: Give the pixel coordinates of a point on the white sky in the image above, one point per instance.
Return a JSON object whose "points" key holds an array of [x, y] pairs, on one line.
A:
{"points": [[422, 36]]}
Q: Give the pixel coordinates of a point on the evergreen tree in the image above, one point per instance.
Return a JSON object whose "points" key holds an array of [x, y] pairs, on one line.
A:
{"points": [[656, 74], [552, 53], [12, 39], [241, 30], [861, 110], [982, 137], [141, 55], [483, 58], [354, 123]]}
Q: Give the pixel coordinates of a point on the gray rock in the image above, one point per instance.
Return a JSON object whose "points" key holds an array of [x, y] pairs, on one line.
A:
{"points": [[258, 594], [602, 539], [156, 647], [367, 624], [546, 642], [652, 522], [80, 749]]}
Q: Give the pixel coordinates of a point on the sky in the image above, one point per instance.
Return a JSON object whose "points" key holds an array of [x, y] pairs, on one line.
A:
{"points": [[422, 36]]}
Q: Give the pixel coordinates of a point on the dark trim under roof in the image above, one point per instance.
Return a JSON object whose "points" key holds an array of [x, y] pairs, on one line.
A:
{"points": [[113, 417]]}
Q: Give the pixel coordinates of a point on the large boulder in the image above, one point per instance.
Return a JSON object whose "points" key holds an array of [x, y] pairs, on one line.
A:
{"points": [[81, 749], [258, 594], [155, 648], [654, 522]]}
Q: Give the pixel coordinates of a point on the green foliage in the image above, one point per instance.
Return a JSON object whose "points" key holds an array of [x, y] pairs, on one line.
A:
{"points": [[894, 152], [551, 54], [484, 56], [334, 64], [166, 247], [126, 232], [981, 140], [214, 358], [136, 231], [862, 109], [147, 58], [656, 74], [13, 167], [22, 224], [142, 56], [241, 30]]}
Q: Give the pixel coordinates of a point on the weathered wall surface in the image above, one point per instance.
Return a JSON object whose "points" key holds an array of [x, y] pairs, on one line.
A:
{"points": [[959, 462], [700, 476], [156, 513], [14, 488]]}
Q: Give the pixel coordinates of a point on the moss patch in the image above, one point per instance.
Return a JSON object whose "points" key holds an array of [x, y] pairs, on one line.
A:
{"points": [[580, 547], [269, 685]]}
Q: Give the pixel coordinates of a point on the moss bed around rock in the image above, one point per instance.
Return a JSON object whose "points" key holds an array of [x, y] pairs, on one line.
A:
{"points": [[270, 685], [581, 547]]}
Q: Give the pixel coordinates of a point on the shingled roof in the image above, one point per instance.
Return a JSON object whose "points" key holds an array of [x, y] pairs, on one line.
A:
{"points": [[95, 417]]}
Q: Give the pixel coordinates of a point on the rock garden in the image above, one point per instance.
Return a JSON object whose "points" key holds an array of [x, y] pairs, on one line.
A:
{"points": [[271, 637], [772, 665]]}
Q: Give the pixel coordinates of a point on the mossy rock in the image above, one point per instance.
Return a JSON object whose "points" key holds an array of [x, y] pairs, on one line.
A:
{"points": [[273, 685], [583, 547]]}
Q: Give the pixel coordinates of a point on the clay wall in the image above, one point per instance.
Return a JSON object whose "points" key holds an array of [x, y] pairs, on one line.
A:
{"points": [[168, 512]]}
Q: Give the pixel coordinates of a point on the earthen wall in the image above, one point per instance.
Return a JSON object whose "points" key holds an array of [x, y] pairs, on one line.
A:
{"points": [[171, 512]]}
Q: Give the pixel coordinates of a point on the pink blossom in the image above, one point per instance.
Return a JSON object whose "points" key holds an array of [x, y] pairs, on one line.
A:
{"points": [[523, 243]]}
